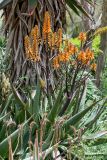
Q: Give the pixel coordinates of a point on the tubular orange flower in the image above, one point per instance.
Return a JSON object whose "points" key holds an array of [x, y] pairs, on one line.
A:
{"points": [[30, 52], [46, 26], [89, 54], [27, 44], [74, 49], [47, 23], [82, 57], [71, 49], [82, 36], [93, 67], [36, 33], [66, 56], [61, 57], [35, 41]]}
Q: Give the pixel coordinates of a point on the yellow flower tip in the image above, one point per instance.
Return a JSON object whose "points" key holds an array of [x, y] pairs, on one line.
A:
{"points": [[93, 67], [82, 36]]}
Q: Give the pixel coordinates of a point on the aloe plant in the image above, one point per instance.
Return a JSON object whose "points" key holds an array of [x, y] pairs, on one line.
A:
{"points": [[45, 132], [46, 120], [25, 11]]}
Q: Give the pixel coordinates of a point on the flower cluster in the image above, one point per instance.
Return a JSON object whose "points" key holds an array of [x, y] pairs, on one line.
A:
{"points": [[65, 55], [75, 55], [61, 51], [32, 45], [51, 39], [82, 36], [93, 66], [85, 56], [46, 27]]}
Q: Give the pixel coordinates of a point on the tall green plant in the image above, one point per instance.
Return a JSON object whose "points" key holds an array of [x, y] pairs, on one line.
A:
{"points": [[46, 121]]}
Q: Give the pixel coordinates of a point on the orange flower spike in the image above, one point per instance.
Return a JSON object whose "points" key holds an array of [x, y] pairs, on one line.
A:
{"points": [[82, 36], [89, 54], [36, 29], [61, 57], [35, 39], [70, 48], [94, 67], [74, 49], [36, 33], [82, 57], [67, 56], [27, 44], [31, 54], [46, 26], [47, 23]]}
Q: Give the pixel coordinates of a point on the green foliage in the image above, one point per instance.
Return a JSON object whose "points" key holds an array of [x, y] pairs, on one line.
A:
{"points": [[18, 112], [96, 45], [2, 54], [104, 80], [35, 124], [39, 124]]}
